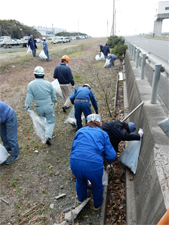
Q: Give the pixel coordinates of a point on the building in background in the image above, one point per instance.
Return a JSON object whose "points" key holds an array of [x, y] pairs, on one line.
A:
{"points": [[49, 31]]}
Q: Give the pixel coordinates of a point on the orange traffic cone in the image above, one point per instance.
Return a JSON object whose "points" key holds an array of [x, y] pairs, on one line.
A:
{"points": [[165, 219]]}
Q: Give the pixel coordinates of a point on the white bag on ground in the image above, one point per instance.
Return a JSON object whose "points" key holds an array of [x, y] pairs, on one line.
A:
{"points": [[29, 50], [42, 55], [71, 117], [107, 63], [129, 157], [3, 154], [57, 88], [40, 125]]}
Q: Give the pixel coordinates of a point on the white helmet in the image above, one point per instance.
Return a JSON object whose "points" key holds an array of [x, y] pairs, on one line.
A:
{"points": [[39, 71], [87, 85], [94, 117], [44, 38]]}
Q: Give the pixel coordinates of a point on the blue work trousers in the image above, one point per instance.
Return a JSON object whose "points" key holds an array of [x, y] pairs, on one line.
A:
{"points": [[80, 107], [47, 112], [83, 172], [47, 54], [34, 52], [8, 132]]}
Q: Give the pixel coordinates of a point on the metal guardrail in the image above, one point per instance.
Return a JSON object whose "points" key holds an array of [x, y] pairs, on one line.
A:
{"points": [[159, 68]]}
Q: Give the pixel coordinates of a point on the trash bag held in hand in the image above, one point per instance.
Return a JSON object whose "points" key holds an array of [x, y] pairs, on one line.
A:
{"points": [[29, 50], [129, 157], [107, 63], [57, 88], [71, 117], [40, 125], [42, 55], [100, 57], [3, 154]]}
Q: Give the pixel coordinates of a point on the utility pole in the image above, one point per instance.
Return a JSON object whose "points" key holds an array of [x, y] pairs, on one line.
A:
{"points": [[112, 29], [107, 27]]}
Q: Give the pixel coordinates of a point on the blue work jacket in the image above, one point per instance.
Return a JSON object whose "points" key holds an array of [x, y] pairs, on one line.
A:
{"points": [[106, 50], [86, 94], [5, 112], [45, 46], [90, 144], [63, 74]]}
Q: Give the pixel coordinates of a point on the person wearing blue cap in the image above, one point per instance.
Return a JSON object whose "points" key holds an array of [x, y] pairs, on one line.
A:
{"points": [[121, 131], [101, 48], [89, 146], [106, 50], [32, 44]]}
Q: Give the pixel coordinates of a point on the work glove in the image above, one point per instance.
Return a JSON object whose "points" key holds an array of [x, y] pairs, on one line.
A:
{"points": [[140, 132], [73, 86], [54, 104]]}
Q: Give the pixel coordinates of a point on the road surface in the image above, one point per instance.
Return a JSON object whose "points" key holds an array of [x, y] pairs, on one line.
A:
{"points": [[161, 49]]}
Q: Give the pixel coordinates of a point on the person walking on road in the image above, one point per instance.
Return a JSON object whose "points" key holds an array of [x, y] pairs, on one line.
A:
{"points": [[32, 45], [45, 48], [89, 146], [64, 75], [44, 96], [8, 131], [106, 50], [80, 98], [121, 131]]}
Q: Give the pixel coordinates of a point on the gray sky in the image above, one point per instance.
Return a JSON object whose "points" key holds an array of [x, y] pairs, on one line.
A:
{"points": [[93, 17]]}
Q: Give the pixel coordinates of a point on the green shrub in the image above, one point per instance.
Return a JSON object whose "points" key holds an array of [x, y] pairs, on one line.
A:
{"points": [[115, 40], [119, 50]]}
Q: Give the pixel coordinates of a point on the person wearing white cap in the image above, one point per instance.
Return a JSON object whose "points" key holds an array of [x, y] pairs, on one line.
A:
{"points": [[44, 96], [89, 146], [121, 131]]}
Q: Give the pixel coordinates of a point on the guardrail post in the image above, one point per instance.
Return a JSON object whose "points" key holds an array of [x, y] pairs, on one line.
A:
{"points": [[155, 83], [134, 53], [143, 63], [137, 57]]}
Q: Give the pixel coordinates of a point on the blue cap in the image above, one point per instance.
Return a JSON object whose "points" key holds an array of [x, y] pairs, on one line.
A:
{"points": [[132, 127]]}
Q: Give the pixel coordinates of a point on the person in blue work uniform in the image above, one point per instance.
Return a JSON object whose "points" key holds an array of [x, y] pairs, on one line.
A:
{"points": [[121, 131], [112, 58], [89, 146], [101, 48], [64, 75], [32, 44], [44, 96], [45, 48], [81, 98], [106, 50], [8, 131]]}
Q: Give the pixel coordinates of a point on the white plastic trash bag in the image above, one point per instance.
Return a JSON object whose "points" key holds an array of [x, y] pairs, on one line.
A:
{"points": [[40, 125], [29, 50], [104, 178], [129, 157], [57, 88], [107, 63], [3, 154], [100, 57], [42, 55], [71, 117]]}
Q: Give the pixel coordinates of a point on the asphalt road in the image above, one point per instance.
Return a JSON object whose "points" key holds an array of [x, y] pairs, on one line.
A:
{"points": [[155, 46], [161, 49]]}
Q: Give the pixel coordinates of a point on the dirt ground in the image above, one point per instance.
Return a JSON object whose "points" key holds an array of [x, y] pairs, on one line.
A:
{"points": [[41, 173]]}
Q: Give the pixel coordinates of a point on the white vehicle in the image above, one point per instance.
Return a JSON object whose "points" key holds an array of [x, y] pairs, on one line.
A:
{"points": [[7, 42], [59, 39]]}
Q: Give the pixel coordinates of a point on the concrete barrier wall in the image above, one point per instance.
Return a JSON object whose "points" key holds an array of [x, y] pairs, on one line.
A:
{"points": [[150, 185]]}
